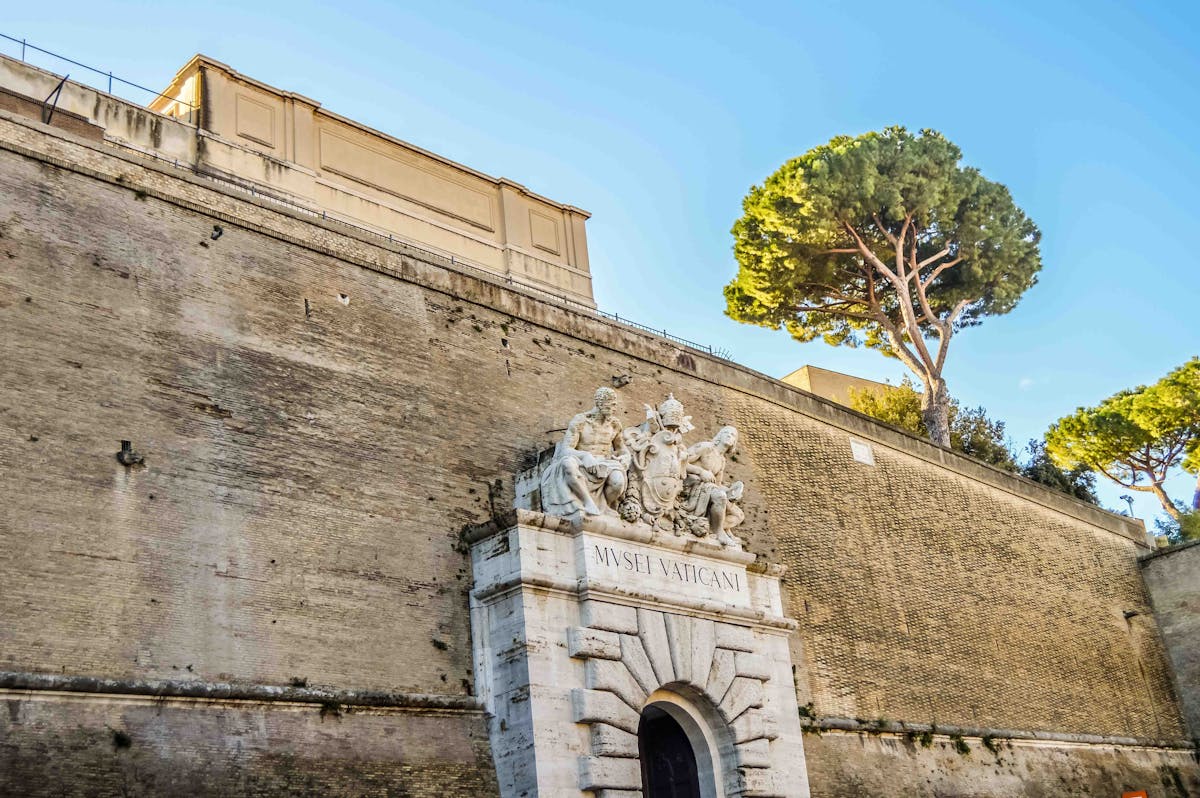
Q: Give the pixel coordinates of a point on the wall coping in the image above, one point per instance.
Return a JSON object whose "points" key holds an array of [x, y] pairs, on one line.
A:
{"points": [[413, 264], [199, 61], [228, 691], [1168, 551]]}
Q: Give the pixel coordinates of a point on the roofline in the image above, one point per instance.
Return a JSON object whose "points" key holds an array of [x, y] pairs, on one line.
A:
{"points": [[200, 60]]}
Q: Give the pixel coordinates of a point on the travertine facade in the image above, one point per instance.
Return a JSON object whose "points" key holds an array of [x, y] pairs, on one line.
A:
{"points": [[831, 385], [321, 412], [587, 624]]}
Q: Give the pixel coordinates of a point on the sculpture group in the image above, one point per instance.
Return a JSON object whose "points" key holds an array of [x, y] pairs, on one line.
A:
{"points": [[644, 473]]}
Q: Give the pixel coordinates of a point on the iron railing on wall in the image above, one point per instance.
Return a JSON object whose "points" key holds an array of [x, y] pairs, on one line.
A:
{"points": [[26, 47]]}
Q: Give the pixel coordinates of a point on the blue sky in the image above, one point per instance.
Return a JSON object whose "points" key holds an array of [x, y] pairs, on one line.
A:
{"points": [[657, 117]]}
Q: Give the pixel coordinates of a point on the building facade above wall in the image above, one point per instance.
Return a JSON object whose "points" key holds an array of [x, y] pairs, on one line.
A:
{"points": [[831, 385], [288, 147]]}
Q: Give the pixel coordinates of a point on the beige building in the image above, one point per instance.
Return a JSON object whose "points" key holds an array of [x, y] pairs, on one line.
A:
{"points": [[832, 385], [264, 529], [287, 147]]}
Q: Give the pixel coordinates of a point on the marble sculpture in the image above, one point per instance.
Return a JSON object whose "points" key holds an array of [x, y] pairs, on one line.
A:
{"points": [[644, 474]]}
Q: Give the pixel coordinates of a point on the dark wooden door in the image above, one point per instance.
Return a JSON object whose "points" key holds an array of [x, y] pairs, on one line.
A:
{"points": [[668, 762]]}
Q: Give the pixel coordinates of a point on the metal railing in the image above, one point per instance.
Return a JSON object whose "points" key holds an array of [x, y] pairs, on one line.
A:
{"points": [[25, 46], [455, 260]]}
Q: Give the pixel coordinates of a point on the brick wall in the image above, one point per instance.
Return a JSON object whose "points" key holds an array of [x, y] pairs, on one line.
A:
{"points": [[321, 414], [931, 599]]}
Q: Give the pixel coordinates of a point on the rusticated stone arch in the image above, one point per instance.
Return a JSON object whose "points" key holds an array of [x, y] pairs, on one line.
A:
{"points": [[632, 656]]}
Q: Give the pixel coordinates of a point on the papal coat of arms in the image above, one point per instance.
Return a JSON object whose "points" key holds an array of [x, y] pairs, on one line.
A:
{"points": [[644, 473]]}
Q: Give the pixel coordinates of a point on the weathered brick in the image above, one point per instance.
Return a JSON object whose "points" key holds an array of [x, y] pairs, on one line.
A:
{"points": [[310, 464]]}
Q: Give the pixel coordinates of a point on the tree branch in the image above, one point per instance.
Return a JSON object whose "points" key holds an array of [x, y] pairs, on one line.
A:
{"points": [[833, 308], [866, 252], [926, 310], [883, 229], [934, 258], [958, 309], [911, 322], [903, 353], [947, 327], [1132, 485], [921, 362], [941, 268], [903, 240]]}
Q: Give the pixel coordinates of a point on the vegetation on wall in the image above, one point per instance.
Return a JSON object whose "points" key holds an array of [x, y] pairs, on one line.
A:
{"points": [[974, 433], [1078, 481], [971, 431], [884, 240], [1137, 438]]}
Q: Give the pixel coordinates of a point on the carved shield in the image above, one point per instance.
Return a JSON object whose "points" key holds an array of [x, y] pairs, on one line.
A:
{"points": [[664, 489]]}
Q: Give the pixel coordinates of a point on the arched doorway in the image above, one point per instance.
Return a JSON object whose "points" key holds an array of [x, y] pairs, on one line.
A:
{"points": [[668, 760]]}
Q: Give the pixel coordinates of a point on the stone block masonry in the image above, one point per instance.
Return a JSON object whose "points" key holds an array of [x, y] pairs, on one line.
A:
{"points": [[321, 414], [68, 745], [853, 765], [1173, 579]]}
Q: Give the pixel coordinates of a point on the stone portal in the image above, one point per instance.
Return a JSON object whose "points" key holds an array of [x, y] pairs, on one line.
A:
{"points": [[585, 629]]}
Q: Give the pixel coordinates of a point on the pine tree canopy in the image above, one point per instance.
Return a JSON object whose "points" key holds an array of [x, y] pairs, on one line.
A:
{"points": [[868, 239]]}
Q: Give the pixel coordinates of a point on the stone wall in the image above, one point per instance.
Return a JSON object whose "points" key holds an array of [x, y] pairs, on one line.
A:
{"points": [[321, 412], [869, 765], [89, 745], [1173, 578]]}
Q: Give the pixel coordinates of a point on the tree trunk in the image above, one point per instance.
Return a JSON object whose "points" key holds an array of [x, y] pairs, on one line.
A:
{"points": [[1165, 500], [935, 411], [1196, 495]]}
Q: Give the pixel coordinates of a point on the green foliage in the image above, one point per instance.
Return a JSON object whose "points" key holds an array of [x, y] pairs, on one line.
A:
{"points": [[790, 240], [1079, 481], [1182, 529], [882, 240], [926, 739], [960, 745], [899, 405], [1107, 439], [1172, 406], [971, 431], [1135, 437]]}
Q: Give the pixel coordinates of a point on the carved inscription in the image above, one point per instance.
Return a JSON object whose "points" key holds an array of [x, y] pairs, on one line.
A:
{"points": [[679, 570]]}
